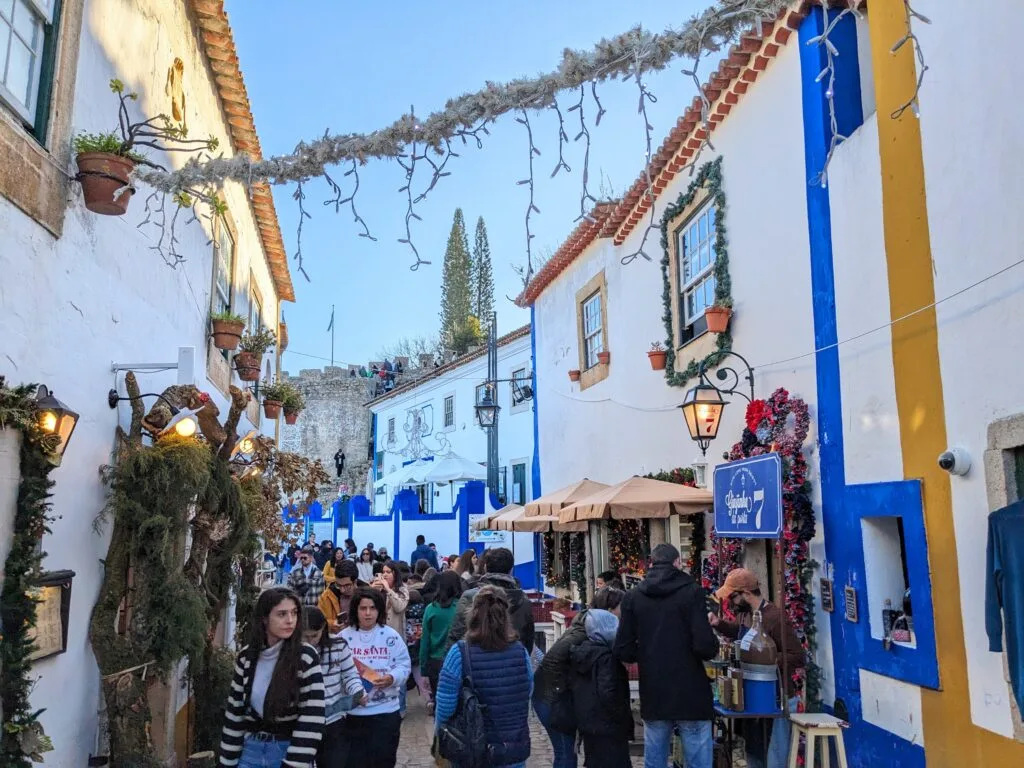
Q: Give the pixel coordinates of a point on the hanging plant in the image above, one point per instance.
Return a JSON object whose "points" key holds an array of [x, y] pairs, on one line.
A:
{"points": [[274, 397], [107, 160], [22, 739], [227, 330], [252, 347], [657, 356], [294, 404]]}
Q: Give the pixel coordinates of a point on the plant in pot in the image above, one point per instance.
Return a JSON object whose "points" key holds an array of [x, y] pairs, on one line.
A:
{"points": [[574, 375], [604, 357], [227, 330], [251, 349], [717, 317], [274, 397], [106, 160], [294, 404], [657, 356]]}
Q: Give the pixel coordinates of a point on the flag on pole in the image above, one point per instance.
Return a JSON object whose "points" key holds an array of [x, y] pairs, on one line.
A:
{"points": [[331, 324]]}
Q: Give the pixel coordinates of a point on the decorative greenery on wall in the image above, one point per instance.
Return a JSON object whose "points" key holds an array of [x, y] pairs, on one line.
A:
{"points": [[578, 564], [22, 739], [628, 541], [709, 176], [780, 424]]}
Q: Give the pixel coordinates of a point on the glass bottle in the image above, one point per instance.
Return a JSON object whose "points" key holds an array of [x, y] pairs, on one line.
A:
{"points": [[756, 647]]}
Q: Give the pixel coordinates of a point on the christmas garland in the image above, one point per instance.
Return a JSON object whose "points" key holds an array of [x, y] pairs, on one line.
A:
{"points": [[578, 564], [780, 424], [710, 176], [686, 476], [22, 740], [564, 579], [627, 540]]}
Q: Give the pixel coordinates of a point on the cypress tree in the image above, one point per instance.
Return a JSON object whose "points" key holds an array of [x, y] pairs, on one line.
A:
{"points": [[483, 277], [456, 288]]}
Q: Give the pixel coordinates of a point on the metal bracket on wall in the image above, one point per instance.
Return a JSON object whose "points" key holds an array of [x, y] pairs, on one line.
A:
{"points": [[185, 366]]}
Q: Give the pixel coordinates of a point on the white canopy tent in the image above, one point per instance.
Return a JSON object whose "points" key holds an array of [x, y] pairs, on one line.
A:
{"points": [[454, 469]]}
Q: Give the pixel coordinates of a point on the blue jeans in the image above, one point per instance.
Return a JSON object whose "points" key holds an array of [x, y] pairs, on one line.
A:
{"points": [[262, 754], [778, 745], [562, 744], [698, 744]]}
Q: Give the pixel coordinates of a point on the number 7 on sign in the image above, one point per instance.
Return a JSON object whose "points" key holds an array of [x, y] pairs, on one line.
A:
{"points": [[759, 503]]}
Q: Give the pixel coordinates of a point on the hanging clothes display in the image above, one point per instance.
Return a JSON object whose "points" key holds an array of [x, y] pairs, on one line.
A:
{"points": [[1004, 591]]}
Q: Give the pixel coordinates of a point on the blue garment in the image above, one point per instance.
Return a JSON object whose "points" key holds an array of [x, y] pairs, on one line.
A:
{"points": [[1004, 589], [262, 754], [698, 745], [503, 681], [423, 552], [563, 745]]}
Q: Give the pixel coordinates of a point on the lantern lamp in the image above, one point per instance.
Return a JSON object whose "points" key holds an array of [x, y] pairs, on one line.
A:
{"points": [[702, 409], [55, 418], [486, 407]]}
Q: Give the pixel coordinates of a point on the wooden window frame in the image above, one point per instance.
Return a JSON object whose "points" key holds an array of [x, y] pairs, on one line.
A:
{"points": [[589, 376]]}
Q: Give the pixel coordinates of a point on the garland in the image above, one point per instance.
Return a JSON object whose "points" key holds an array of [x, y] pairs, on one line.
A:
{"points": [[780, 424], [709, 175], [563, 579], [686, 476], [578, 564], [22, 739], [548, 556], [627, 540]]}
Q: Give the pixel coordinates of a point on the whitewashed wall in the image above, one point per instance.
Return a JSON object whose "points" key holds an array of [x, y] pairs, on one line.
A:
{"points": [[466, 438], [71, 307], [628, 424], [971, 127]]}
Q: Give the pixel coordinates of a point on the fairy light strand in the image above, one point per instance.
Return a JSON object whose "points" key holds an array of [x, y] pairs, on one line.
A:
{"points": [[913, 103]]}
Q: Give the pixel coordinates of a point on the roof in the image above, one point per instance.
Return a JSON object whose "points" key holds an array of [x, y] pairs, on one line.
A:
{"points": [[219, 46], [724, 88], [508, 338]]}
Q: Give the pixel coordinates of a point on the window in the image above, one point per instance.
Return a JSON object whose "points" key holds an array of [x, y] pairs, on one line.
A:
{"points": [[593, 331], [519, 484], [224, 265], [391, 430], [695, 249], [449, 411], [25, 44], [255, 306], [521, 390]]}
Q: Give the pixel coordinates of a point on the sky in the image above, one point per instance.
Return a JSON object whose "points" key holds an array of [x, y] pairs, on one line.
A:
{"points": [[348, 67]]}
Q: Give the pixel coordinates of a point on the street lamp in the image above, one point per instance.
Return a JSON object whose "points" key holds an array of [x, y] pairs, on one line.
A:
{"points": [[703, 405], [55, 418], [182, 423], [486, 408]]}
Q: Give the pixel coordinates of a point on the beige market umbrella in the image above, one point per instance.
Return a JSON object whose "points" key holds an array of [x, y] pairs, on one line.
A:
{"points": [[486, 522], [545, 524], [509, 514], [639, 498], [552, 503]]}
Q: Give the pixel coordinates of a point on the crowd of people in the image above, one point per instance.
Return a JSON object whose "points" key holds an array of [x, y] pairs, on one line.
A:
{"points": [[335, 652]]}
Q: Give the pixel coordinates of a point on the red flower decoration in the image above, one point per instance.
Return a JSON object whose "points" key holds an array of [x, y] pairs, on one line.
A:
{"points": [[204, 397]]}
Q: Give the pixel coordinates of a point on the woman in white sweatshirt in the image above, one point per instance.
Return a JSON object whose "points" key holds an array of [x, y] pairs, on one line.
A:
{"points": [[343, 688], [382, 660]]}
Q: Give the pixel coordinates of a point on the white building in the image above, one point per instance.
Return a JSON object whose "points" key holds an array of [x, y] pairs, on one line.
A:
{"points": [[81, 292], [435, 416]]}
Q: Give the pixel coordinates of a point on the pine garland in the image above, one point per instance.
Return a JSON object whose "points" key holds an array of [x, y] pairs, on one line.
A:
{"points": [[578, 564], [627, 544], [22, 739], [564, 579], [710, 176]]}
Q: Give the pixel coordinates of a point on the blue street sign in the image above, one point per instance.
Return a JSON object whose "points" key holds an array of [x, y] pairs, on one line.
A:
{"points": [[748, 498]]}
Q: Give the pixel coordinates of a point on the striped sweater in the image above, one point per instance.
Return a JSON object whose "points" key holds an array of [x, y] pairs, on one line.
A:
{"points": [[306, 722], [340, 675]]}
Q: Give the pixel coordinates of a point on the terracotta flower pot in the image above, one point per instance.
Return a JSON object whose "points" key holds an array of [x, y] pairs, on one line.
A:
{"points": [[102, 175], [291, 415], [574, 375], [657, 358], [717, 318], [248, 366], [226, 334], [604, 357], [272, 408]]}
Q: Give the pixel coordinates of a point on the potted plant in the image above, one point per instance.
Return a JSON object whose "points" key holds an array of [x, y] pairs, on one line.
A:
{"points": [[252, 347], [274, 397], [604, 357], [574, 375], [657, 356], [106, 160], [294, 404], [717, 317], [227, 330]]}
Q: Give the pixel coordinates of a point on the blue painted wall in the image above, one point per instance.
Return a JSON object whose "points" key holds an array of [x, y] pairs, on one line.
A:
{"points": [[843, 506], [538, 577]]}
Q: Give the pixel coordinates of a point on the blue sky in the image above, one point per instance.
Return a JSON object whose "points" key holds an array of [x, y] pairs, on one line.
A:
{"points": [[355, 67]]}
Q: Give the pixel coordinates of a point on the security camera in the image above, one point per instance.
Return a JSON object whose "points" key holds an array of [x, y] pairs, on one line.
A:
{"points": [[956, 461]]}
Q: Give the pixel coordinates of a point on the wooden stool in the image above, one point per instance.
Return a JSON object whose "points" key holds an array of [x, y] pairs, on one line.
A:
{"points": [[816, 726]]}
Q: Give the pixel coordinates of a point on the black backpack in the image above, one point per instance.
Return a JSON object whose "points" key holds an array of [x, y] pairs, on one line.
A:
{"points": [[462, 739]]}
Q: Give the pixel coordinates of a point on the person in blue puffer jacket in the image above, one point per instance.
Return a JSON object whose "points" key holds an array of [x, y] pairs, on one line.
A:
{"points": [[502, 677]]}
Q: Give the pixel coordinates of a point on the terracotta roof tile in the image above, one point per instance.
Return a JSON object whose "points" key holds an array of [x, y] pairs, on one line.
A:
{"points": [[219, 47]]}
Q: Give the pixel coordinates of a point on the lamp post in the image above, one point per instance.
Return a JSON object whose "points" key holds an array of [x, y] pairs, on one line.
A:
{"points": [[703, 405], [182, 422], [55, 418], [487, 407]]}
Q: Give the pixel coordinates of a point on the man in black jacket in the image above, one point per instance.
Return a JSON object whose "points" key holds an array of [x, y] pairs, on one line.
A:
{"points": [[665, 629], [499, 563]]}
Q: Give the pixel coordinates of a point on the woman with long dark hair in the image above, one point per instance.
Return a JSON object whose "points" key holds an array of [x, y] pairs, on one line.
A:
{"points": [[382, 660], [437, 620], [337, 557], [502, 678], [275, 711], [466, 567], [365, 566], [342, 687]]}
